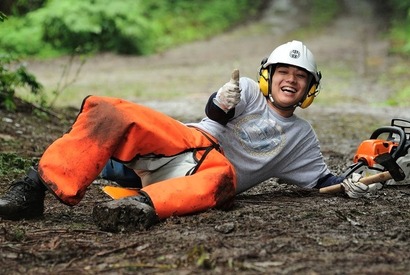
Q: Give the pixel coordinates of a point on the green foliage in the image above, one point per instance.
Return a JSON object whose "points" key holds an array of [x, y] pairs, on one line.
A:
{"points": [[78, 26], [398, 8], [181, 21], [11, 79], [399, 35], [125, 27], [21, 7], [401, 98], [52, 28], [2, 16], [399, 38], [399, 32], [397, 79]]}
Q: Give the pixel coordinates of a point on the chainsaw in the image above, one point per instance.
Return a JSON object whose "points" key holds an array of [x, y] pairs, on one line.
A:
{"points": [[393, 140]]}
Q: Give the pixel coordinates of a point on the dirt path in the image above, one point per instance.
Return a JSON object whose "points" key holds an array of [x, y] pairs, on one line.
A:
{"points": [[273, 228]]}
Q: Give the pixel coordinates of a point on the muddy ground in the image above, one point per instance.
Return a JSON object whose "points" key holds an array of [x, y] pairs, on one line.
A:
{"points": [[271, 229]]}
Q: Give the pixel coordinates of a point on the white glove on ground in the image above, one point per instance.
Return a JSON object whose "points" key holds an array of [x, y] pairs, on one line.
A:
{"points": [[355, 189], [229, 95]]}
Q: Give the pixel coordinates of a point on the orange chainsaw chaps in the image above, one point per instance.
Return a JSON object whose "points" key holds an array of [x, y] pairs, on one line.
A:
{"points": [[72, 162], [213, 185], [369, 149], [110, 128]]}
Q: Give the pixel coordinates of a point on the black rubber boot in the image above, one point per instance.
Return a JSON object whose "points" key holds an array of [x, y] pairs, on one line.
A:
{"points": [[125, 215], [24, 199]]}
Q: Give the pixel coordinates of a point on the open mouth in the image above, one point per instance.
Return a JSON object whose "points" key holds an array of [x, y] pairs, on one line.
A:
{"points": [[287, 89]]}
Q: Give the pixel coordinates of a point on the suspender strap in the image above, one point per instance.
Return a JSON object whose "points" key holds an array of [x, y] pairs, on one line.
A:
{"points": [[215, 145], [208, 149]]}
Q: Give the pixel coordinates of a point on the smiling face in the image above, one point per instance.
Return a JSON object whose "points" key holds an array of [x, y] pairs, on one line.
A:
{"points": [[288, 86]]}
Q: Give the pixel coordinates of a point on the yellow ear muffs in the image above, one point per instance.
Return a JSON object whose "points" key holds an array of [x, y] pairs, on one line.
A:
{"points": [[309, 97], [263, 81]]}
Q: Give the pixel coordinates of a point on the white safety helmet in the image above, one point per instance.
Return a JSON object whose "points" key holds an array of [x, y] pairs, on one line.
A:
{"points": [[294, 53]]}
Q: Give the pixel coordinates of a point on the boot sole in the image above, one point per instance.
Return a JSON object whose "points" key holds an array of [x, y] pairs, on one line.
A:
{"points": [[124, 215]]}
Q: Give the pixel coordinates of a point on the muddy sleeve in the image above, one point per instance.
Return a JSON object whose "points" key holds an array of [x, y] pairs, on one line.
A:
{"points": [[217, 114], [328, 180]]}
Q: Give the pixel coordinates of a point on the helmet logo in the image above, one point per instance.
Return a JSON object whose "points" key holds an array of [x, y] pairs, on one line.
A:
{"points": [[294, 54]]}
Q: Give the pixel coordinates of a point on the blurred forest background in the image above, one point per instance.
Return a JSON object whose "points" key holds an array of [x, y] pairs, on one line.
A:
{"points": [[49, 29]]}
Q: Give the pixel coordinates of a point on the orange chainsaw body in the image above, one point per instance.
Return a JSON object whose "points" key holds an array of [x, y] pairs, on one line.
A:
{"points": [[371, 148]]}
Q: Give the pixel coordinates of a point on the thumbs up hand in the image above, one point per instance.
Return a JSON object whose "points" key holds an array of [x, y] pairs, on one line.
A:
{"points": [[229, 95]]}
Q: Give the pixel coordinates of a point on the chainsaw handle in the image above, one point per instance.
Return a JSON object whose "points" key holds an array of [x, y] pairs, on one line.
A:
{"points": [[390, 130], [380, 177], [366, 180]]}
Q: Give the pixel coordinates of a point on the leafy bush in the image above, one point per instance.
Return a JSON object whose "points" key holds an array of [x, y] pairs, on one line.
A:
{"points": [[11, 79], [125, 27], [21, 7], [77, 26]]}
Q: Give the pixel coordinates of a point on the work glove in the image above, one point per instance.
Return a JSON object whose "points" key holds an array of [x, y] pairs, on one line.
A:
{"points": [[229, 95], [355, 189]]}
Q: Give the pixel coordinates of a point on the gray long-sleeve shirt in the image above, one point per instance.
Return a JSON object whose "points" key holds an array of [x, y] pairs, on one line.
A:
{"points": [[261, 144]]}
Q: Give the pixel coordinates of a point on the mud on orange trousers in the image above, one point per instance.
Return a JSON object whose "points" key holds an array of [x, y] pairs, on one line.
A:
{"points": [[114, 128]]}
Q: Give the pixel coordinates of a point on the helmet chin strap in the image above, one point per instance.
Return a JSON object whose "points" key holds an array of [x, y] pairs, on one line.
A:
{"points": [[286, 108]]}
